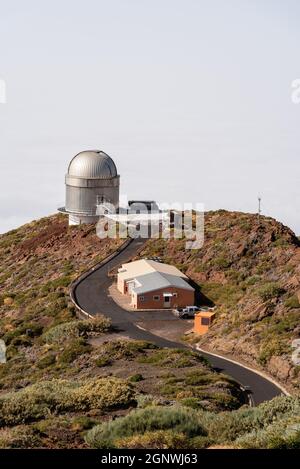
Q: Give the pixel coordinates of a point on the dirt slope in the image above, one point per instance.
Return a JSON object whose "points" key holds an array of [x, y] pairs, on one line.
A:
{"points": [[249, 268]]}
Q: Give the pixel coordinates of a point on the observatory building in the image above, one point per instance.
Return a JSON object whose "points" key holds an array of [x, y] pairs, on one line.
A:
{"points": [[92, 179]]}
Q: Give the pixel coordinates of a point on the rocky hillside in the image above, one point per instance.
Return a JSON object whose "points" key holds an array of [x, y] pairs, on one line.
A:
{"points": [[63, 375], [250, 269]]}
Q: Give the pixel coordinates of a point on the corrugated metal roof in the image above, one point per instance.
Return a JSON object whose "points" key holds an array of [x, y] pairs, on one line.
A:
{"points": [[157, 280], [92, 164], [142, 267]]}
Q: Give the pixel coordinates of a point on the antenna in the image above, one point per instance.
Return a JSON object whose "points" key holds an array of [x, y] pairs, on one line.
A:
{"points": [[259, 207]]}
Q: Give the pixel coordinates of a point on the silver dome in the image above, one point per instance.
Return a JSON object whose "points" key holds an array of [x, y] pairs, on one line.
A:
{"points": [[92, 164]]}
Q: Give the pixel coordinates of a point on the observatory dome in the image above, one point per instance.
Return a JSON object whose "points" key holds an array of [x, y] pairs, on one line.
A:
{"points": [[92, 164], [91, 180]]}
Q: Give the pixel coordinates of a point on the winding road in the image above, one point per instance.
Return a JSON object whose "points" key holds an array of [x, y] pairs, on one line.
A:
{"points": [[91, 294]]}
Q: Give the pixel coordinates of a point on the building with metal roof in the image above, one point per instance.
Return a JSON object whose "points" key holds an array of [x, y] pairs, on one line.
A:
{"points": [[91, 180], [154, 285]]}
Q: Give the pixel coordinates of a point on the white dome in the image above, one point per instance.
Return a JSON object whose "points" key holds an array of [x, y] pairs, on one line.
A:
{"points": [[93, 164]]}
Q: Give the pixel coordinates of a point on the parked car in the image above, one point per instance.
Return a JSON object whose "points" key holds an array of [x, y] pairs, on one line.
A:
{"points": [[187, 312]]}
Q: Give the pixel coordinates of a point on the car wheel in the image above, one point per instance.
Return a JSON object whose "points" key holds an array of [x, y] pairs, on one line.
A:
{"points": [[185, 316]]}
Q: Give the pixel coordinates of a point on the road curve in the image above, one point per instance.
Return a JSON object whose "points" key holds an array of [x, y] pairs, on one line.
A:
{"points": [[91, 294]]}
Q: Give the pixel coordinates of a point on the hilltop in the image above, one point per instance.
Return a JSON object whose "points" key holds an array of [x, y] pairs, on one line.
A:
{"points": [[65, 378], [64, 375], [249, 267]]}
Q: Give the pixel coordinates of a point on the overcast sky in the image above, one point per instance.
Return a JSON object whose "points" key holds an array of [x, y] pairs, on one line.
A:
{"points": [[191, 98]]}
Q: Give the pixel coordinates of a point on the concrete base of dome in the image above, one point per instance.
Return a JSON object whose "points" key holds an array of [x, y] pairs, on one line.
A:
{"points": [[78, 218], [82, 220]]}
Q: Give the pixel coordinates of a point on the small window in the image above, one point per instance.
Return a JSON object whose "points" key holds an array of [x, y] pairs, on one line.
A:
{"points": [[141, 298], [205, 321], [175, 295], [156, 297]]}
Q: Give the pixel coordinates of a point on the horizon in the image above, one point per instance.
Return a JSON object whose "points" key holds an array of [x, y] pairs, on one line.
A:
{"points": [[193, 102]]}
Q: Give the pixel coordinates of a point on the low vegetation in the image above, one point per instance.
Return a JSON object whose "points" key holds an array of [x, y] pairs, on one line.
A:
{"points": [[70, 383], [249, 268], [37, 401], [275, 424]]}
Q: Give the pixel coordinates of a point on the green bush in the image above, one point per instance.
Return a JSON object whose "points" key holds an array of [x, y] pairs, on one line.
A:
{"points": [[292, 302], [83, 423], [227, 427], [177, 419], [19, 437], [46, 361], [74, 329], [269, 290], [160, 439], [39, 400], [125, 349], [102, 361], [222, 262], [279, 434], [225, 295], [173, 358], [28, 330], [136, 378], [272, 346], [73, 350]]}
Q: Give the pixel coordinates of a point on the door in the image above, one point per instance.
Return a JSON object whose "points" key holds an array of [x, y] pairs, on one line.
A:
{"points": [[167, 301]]}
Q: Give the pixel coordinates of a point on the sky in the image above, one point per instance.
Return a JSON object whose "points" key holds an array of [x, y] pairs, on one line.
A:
{"points": [[191, 98]]}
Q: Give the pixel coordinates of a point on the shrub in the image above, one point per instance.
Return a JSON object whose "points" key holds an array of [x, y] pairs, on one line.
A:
{"points": [[125, 349], [146, 400], [39, 400], [173, 358], [280, 434], [102, 361], [25, 330], [46, 361], [73, 350], [135, 378], [292, 302], [18, 437], [180, 420], [269, 290], [229, 426], [73, 329], [252, 280], [222, 262], [83, 423], [226, 295], [160, 439], [21, 340], [272, 347]]}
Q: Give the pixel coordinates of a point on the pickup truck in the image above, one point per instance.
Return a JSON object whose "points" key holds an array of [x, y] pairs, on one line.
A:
{"points": [[187, 312]]}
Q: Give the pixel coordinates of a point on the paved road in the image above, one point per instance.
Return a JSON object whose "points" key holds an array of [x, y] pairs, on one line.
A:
{"points": [[92, 295]]}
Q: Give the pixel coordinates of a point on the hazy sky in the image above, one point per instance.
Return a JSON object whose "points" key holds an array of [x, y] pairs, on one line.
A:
{"points": [[191, 98]]}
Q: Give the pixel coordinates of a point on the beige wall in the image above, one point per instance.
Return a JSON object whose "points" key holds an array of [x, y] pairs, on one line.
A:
{"points": [[121, 285]]}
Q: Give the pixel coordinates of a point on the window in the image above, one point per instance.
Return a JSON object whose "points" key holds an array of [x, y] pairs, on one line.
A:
{"points": [[175, 295], [156, 297], [141, 298], [205, 321]]}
